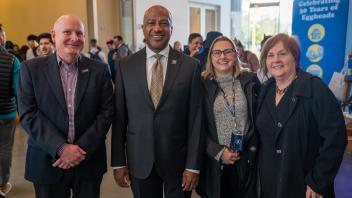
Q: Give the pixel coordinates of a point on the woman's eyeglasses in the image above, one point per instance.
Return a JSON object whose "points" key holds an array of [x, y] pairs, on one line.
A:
{"points": [[226, 52]]}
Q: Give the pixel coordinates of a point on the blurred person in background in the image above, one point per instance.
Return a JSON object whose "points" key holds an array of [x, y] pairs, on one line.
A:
{"points": [[46, 45], [111, 46], [121, 49], [195, 42], [95, 51], [9, 70], [260, 73], [23, 51], [178, 46], [202, 56], [9, 46], [32, 41], [250, 59]]}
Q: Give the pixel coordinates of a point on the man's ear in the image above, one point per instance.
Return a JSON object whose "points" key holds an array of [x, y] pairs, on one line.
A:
{"points": [[53, 35]]}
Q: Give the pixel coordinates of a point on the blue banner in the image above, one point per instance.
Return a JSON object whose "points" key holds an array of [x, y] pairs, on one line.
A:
{"points": [[321, 27]]}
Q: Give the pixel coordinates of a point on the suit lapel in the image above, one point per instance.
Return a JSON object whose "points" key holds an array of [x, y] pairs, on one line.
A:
{"points": [[173, 67], [212, 91], [140, 62], [300, 89], [82, 81], [291, 108], [54, 80]]}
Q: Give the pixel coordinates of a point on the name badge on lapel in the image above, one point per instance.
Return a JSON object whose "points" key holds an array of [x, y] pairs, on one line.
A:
{"points": [[84, 70]]}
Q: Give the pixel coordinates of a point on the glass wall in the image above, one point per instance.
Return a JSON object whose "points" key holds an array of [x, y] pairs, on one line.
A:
{"points": [[126, 10], [259, 18]]}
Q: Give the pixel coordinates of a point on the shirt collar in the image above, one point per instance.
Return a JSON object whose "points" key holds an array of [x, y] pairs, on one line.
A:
{"points": [[164, 52], [94, 49], [60, 62]]}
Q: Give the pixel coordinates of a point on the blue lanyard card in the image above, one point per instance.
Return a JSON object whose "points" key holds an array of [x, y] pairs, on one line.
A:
{"points": [[236, 143]]}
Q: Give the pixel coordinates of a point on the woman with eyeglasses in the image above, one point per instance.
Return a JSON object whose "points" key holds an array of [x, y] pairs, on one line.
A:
{"points": [[230, 102], [301, 127]]}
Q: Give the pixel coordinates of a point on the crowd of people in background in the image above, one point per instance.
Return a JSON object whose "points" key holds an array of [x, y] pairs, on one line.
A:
{"points": [[194, 117], [197, 47]]}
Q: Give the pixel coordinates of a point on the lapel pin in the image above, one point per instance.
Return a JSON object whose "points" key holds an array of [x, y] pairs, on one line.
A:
{"points": [[173, 62], [84, 70]]}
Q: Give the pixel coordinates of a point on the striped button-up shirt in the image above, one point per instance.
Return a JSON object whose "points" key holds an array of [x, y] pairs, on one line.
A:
{"points": [[69, 74]]}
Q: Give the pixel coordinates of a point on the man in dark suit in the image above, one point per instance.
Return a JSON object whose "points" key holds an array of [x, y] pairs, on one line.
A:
{"points": [[66, 106], [156, 139]]}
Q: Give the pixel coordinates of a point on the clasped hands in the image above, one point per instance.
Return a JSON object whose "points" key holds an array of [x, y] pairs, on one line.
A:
{"points": [[189, 179], [229, 156], [70, 156], [311, 194]]}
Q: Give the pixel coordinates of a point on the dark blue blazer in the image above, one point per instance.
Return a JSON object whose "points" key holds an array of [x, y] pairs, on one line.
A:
{"points": [[44, 116]]}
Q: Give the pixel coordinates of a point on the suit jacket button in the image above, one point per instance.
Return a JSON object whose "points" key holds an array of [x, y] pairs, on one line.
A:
{"points": [[278, 151], [279, 124], [252, 148], [293, 99]]}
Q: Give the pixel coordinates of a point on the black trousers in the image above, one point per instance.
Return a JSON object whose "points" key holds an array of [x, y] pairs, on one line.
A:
{"points": [[69, 186], [154, 187], [230, 184]]}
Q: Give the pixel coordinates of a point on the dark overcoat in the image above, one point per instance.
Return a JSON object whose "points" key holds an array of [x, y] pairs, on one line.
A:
{"points": [[309, 141]]}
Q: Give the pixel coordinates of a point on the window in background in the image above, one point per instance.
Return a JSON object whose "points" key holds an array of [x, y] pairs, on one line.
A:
{"points": [[210, 18], [126, 21], [194, 18], [259, 17], [203, 18]]}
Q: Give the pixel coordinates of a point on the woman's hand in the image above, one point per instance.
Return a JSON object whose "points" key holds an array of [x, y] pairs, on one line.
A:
{"points": [[194, 53], [229, 157], [311, 194]]}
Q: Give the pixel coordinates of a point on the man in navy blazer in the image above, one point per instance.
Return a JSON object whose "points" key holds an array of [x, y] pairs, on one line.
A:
{"points": [[156, 141], [65, 105]]}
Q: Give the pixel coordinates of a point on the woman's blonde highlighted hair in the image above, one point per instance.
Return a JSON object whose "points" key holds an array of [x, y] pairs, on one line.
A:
{"points": [[209, 68]]}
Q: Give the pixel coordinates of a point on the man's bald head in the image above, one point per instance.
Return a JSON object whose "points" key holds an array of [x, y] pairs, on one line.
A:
{"points": [[68, 36], [157, 9], [64, 18]]}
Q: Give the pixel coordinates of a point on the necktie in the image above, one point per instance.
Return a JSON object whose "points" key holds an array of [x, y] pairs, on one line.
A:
{"points": [[156, 85]]}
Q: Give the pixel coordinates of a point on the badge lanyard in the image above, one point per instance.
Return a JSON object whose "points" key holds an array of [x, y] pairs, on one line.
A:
{"points": [[231, 108]]}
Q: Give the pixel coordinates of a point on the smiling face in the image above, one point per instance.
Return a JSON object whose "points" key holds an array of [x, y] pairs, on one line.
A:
{"points": [[223, 58], [68, 36], [195, 44], [157, 28], [280, 62], [177, 46], [45, 46]]}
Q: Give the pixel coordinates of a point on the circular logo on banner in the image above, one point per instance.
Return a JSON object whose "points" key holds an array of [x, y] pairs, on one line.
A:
{"points": [[315, 53], [315, 70], [316, 32]]}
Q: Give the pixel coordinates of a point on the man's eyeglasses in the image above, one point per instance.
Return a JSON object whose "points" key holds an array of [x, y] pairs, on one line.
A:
{"points": [[226, 52]]}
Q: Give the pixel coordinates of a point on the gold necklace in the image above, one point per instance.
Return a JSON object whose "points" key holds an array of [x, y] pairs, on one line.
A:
{"points": [[283, 91]]}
